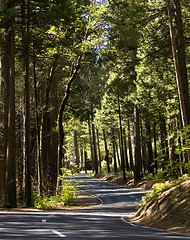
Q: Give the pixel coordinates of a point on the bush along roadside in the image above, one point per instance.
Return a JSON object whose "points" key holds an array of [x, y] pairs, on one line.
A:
{"points": [[66, 195]]}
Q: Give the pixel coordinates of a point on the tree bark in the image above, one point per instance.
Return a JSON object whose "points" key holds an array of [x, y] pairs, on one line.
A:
{"points": [[144, 149], [53, 136], [107, 152], [95, 149], [149, 147], [85, 160], [121, 140], [137, 170], [125, 150], [38, 151], [82, 157], [62, 108], [130, 147], [114, 155], [91, 144], [179, 56], [99, 153], [117, 152], [26, 52], [155, 148], [2, 144], [76, 149], [164, 142], [9, 106]]}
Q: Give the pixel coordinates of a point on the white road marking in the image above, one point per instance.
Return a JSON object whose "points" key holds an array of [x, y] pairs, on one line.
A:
{"points": [[125, 221], [64, 213], [58, 233]]}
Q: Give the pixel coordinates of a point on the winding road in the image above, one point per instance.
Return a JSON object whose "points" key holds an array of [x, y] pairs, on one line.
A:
{"points": [[106, 221]]}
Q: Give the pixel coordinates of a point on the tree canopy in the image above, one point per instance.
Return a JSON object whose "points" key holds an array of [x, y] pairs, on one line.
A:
{"points": [[96, 85]]}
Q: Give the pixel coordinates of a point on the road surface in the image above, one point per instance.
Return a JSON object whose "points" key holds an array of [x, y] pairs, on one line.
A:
{"points": [[106, 221]]}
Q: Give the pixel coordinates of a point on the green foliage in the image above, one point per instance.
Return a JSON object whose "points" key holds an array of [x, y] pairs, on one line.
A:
{"points": [[67, 196], [172, 169], [185, 134], [67, 192], [5, 204], [174, 200], [104, 166], [157, 189]]}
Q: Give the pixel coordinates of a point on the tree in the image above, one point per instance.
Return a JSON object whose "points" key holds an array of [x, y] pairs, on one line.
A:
{"points": [[9, 106], [25, 12], [179, 56], [137, 169]]}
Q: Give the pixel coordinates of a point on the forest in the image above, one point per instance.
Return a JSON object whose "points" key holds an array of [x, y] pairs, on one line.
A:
{"points": [[92, 85]]}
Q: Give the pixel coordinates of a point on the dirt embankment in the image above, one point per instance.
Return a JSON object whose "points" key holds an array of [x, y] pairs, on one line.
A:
{"points": [[170, 211], [145, 184]]}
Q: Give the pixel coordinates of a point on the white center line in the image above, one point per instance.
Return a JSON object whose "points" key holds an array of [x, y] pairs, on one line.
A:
{"points": [[58, 233]]}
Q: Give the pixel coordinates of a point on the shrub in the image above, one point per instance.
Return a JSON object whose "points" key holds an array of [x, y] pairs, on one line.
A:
{"points": [[67, 192], [157, 189]]}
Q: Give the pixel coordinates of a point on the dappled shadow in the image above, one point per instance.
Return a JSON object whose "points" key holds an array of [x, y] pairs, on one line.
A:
{"points": [[105, 221], [115, 199], [23, 226]]}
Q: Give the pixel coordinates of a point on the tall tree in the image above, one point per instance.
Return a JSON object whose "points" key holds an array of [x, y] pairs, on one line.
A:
{"points": [[9, 106], [137, 169], [179, 56], [25, 11], [62, 108]]}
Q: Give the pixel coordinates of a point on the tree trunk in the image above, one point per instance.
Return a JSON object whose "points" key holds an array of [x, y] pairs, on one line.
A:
{"points": [[137, 170], [155, 148], [9, 106], [6, 77], [61, 111], [99, 153], [130, 147], [76, 149], [45, 140], [114, 155], [149, 147], [173, 156], [11, 136], [91, 144], [27, 109], [95, 149], [107, 152], [20, 157], [164, 142], [144, 150], [125, 150], [117, 152], [179, 56], [121, 139], [53, 136], [25, 12], [82, 157], [38, 155], [2, 145], [85, 160]]}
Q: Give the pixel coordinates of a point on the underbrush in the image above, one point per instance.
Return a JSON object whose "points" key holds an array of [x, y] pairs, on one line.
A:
{"points": [[159, 188], [66, 195]]}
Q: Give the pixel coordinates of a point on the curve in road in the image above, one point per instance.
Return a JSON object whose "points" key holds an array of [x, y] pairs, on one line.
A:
{"points": [[106, 221]]}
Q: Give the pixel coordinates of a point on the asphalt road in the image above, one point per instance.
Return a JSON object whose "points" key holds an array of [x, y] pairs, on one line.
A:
{"points": [[106, 221]]}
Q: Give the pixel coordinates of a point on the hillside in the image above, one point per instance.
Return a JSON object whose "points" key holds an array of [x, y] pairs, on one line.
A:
{"points": [[170, 210]]}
